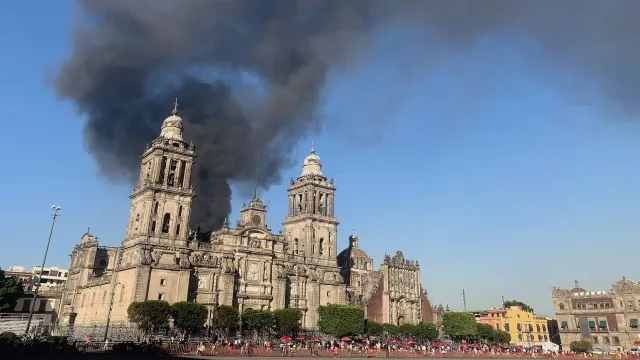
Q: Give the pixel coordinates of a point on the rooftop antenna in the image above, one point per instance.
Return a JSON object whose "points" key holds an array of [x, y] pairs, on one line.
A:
{"points": [[464, 301], [255, 190]]}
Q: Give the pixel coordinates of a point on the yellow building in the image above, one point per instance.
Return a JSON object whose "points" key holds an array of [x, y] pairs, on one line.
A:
{"points": [[523, 327]]}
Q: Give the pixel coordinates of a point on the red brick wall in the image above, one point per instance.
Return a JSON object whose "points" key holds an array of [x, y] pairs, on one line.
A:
{"points": [[427, 312], [375, 308]]}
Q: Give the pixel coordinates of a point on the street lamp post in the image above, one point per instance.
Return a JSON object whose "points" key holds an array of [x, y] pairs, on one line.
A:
{"points": [[55, 209]]}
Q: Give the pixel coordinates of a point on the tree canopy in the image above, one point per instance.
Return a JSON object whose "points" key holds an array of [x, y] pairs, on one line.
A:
{"points": [[581, 346], [150, 315], [188, 316], [226, 320], [459, 325], [373, 328], [523, 306], [259, 322], [287, 321], [341, 320], [10, 291]]}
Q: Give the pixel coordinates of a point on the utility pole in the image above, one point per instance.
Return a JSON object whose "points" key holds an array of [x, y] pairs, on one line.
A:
{"points": [[55, 209], [464, 301]]}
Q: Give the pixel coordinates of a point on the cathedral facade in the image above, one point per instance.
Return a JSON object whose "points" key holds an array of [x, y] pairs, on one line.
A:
{"points": [[246, 266]]}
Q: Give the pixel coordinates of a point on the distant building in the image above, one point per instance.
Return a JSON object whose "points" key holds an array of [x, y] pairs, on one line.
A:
{"points": [[554, 331], [45, 305], [524, 327], [50, 277], [609, 319]]}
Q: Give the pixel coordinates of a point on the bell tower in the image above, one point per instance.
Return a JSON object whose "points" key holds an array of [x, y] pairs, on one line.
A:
{"points": [[311, 227], [161, 202]]}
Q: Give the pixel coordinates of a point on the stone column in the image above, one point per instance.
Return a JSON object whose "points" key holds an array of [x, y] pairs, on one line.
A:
{"points": [[141, 285], [279, 294], [313, 302], [331, 205], [226, 283]]}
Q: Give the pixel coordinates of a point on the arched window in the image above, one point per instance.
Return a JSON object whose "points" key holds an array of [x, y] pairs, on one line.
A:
{"points": [[321, 249], [180, 211], [295, 246], [178, 230], [165, 223], [561, 306]]}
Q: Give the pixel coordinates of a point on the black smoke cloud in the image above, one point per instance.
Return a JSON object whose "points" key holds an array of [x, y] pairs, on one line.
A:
{"points": [[131, 58]]}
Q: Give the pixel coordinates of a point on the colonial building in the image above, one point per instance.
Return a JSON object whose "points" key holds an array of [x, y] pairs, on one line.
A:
{"points": [[524, 327], [246, 266], [609, 319]]}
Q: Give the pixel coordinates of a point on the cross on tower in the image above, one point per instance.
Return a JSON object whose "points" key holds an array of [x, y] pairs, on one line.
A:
{"points": [[175, 107]]}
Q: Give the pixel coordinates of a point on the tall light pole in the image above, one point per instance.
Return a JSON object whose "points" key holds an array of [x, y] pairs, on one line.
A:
{"points": [[55, 209]]}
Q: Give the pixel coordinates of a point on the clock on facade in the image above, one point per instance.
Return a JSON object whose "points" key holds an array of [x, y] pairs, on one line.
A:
{"points": [[256, 219]]}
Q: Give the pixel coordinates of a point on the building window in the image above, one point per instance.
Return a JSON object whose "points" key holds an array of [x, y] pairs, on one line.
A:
{"points": [[605, 340], [165, 223], [497, 326], [26, 305], [616, 340], [545, 338], [180, 211], [506, 327], [538, 327], [163, 282], [603, 324], [595, 340], [160, 296], [544, 327], [592, 324], [321, 248], [561, 306], [42, 306], [633, 323], [564, 325], [153, 226]]}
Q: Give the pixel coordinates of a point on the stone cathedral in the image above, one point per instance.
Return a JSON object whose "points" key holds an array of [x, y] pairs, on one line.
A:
{"points": [[246, 266]]}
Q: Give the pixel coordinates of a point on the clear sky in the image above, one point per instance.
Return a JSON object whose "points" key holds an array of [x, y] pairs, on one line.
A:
{"points": [[499, 178]]}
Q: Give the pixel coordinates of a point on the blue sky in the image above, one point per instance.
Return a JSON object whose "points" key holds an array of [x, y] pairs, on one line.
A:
{"points": [[498, 176]]}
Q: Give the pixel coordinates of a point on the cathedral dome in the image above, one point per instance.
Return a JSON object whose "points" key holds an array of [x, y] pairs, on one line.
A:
{"points": [[353, 256], [312, 164], [172, 126]]}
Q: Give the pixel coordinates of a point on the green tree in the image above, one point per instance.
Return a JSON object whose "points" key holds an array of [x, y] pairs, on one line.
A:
{"points": [[523, 306], [459, 325], [287, 321], [226, 320], [501, 337], [260, 322], [373, 328], [10, 291], [341, 320], [390, 330], [427, 332], [581, 346], [149, 316], [189, 317], [485, 332], [407, 331]]}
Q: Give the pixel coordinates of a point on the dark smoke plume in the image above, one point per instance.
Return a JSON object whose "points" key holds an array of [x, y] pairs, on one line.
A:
{"points": [[250, 73]]}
